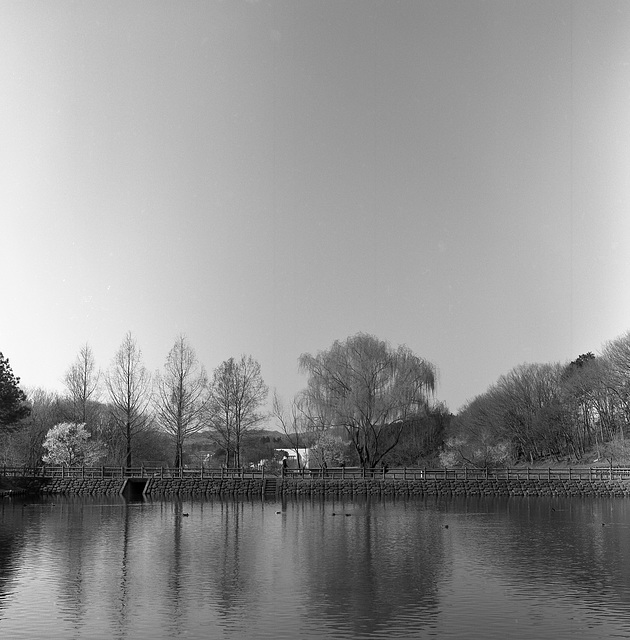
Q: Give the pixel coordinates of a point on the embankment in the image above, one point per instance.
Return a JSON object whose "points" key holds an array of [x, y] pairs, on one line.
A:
{"points": [[255, 487], [490, 487]]}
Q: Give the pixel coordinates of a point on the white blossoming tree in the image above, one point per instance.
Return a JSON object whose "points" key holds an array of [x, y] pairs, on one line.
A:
{"points": [[329, 450], [68, 444]]}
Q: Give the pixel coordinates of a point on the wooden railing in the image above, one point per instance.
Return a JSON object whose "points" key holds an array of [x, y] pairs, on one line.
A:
{"points": [[129, 472], [331, 473], [512, 473], [520, 473]]}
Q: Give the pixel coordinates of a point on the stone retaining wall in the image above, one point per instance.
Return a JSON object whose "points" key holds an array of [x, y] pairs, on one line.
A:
{"points": [[306, 487], [204, 486], [82, 486], [155, 486], [457, 487]]}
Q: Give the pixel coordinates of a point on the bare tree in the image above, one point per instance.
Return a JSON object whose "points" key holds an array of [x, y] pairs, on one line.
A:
{"points": [[295, 423], [579, 381], [181, 395], [82, 381], [23, 446], [616, 353], [129, 385], [221, 409], [529, 413], [369, 389], [236, 394], [46, 411]]}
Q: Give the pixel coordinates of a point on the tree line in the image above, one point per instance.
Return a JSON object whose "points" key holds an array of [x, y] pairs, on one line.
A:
{"points": [[365, 403], [549, 411], [124, 412]]}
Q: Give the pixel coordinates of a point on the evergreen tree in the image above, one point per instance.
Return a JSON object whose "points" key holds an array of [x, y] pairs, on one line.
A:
{"points": [[13, 406]]}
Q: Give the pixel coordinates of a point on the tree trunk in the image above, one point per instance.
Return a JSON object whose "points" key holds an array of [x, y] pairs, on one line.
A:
{"points": [[128, 457], [178, 453]]}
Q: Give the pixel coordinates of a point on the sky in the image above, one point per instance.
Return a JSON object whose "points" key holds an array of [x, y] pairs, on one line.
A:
{"points": [[267, 177]]}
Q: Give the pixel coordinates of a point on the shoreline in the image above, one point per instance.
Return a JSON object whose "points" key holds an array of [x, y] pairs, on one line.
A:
{"points": [[257, 488]]}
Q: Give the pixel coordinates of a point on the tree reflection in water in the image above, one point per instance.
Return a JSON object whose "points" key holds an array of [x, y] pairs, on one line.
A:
{"points": [[11, 545], [104, 568], [380, 563]]}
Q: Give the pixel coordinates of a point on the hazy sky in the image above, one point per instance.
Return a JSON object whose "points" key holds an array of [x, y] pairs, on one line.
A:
{"points": [[269, 176]]}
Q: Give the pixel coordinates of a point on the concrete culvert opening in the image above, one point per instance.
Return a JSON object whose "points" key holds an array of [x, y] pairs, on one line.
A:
{"points": [[133, 489]]}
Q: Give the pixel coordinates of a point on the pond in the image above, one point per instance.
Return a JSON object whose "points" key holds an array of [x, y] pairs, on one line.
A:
{"points": [[356, 569]]}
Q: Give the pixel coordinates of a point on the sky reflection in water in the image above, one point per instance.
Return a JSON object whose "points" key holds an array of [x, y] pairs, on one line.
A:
{"points": [[447, 568]]}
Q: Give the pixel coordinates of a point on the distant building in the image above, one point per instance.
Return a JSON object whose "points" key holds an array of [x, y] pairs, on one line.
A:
{"points": [[292, 458]]}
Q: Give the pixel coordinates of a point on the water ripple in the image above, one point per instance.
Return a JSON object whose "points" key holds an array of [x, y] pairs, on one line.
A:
{"points": [[237, 570]]}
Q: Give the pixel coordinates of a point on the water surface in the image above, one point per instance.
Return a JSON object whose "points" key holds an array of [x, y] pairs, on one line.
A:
{"points": [[443, 568]]}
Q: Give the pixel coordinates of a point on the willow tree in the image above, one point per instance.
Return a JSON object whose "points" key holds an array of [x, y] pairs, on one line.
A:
{"points": [[368, 388], [181, 395]]}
